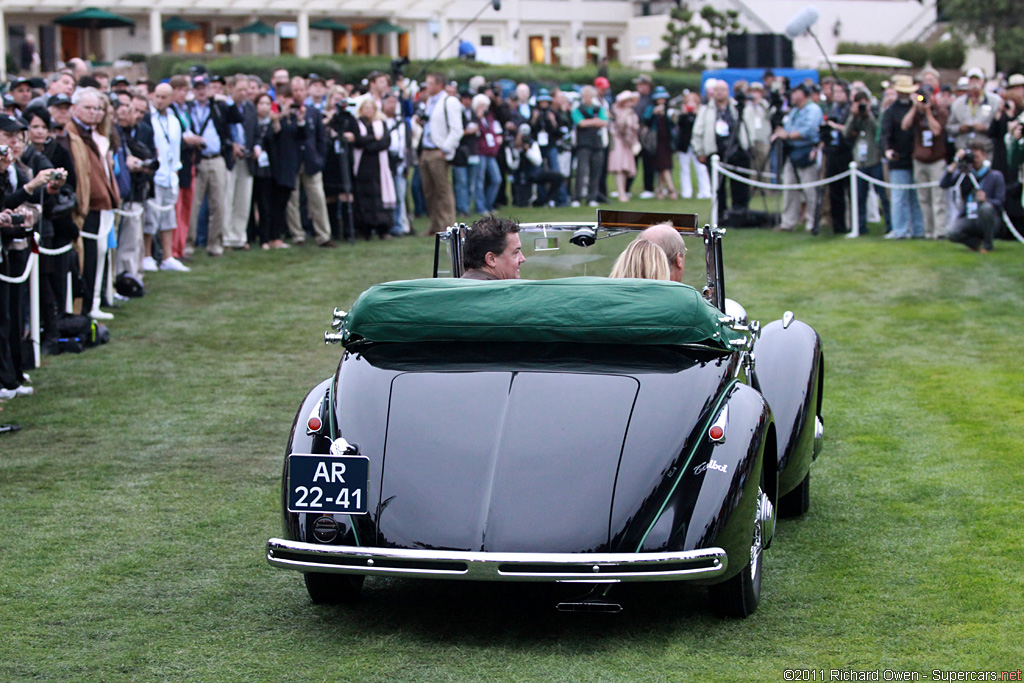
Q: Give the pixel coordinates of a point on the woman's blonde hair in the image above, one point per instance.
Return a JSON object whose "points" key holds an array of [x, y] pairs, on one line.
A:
{"points": [[642, 259]]}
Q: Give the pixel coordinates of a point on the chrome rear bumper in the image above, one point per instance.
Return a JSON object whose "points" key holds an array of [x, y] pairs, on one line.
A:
{"points": [[487, 566]]}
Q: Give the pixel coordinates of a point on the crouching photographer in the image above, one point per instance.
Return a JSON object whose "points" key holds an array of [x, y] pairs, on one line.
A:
{"points": [[982, 192], [20, 190]]}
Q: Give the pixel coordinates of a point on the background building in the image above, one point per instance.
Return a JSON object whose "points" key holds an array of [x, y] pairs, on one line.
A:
{"points": [[570, 32]]}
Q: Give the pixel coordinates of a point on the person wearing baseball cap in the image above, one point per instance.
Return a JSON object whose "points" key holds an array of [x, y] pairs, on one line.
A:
{"points": [[644, 107], [971, 115], [21, 90]]}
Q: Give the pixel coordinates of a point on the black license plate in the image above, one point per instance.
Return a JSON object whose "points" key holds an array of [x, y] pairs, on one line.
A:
{"points": [[327, 484]]}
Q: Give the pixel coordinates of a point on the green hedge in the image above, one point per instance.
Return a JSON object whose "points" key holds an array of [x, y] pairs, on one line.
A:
{"points": [[353, 69]]}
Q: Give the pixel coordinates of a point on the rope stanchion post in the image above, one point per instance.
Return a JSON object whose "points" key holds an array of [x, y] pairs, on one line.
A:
{"points": [[854, 202], [33, 307], [714, 190]]}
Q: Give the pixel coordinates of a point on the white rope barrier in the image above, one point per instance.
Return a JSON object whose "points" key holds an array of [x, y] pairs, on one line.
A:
{"points": [[24, 276], [159, 208], [54, 252], [748, 171], [1013, 230], [795, 186], [895, 186]]}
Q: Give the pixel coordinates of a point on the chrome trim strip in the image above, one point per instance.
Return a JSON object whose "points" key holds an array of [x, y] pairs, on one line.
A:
{"points": [[486, 566], [819, 433]]}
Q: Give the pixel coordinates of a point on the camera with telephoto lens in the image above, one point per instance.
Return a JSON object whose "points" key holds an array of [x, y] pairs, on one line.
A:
{"points": [[396, 67], [862, 109]]}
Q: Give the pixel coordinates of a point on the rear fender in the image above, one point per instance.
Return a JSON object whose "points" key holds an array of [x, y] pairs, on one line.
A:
{"points": [[298, 526], [789, 373], [715, 500]]}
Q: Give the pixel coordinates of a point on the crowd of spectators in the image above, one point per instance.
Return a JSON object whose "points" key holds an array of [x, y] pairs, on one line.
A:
{"points": [[159, 170]]}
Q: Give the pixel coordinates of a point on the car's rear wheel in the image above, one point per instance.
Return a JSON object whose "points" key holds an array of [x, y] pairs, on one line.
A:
{"points": [[333, 589], [797, 501], [740, 595]]}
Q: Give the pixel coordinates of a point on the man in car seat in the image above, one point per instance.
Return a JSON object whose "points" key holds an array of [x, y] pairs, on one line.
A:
{"points": [[493, 250]]}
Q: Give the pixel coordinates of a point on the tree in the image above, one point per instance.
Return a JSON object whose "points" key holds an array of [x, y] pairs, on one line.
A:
{"points": [[685, 31], [997, 24]]}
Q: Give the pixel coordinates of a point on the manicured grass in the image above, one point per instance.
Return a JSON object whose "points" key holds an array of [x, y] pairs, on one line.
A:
{"points": [[138, 498]]}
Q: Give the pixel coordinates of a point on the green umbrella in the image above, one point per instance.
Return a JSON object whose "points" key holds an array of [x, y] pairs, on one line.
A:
{"points": [[328, 24], [92, 17], [175, 24], [381, 27], [258, 28]]}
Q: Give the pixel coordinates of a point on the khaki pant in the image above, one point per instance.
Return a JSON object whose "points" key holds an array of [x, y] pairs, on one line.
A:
{"points": [[437, 189], [129, 241], [239, 205], [792, 200], [316, 204], [931, 199], [211, 179]]}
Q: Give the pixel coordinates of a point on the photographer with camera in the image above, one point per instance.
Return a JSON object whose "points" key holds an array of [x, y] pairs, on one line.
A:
{"points": [[862, 136], [838, 154], [58, 231], [799, 135], [20, 188], [983, 192], [898, 143], [927, 119], [719, 130]]}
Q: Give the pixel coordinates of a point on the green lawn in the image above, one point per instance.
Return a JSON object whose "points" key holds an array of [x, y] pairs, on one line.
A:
{"points": [[136, 502]]}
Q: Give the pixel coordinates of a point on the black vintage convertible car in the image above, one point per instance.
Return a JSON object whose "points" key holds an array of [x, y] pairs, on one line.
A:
{"points": [[578, 429]]}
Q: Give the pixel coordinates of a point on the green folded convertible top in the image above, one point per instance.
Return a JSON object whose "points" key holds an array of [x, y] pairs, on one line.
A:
{"points": [[587, 310]]}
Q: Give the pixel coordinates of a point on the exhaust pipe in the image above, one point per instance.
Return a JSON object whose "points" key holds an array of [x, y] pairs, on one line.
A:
{"points": [[595, 600]]}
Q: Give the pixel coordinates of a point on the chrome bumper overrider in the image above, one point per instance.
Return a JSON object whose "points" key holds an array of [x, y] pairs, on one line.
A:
{"points": [[487, 566]]}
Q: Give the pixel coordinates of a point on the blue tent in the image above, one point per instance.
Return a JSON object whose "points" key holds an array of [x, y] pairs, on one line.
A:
{"points": [[730, 76]]}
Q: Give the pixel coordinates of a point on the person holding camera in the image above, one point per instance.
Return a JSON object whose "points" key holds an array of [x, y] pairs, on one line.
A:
{"points": [[862, 136], [927, 119], [719, 130], [20, 187], [898, 143], [971, 115], [838, 154], [982, 191], [160, 211], [799, 135], [442, 131]]}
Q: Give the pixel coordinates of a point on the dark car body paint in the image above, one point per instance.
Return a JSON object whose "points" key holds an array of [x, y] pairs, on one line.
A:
{"points": [[553, 449], [788, 371]]}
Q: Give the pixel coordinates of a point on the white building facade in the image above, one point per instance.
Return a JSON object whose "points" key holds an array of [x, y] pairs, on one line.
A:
{"points": [[569, 32]]}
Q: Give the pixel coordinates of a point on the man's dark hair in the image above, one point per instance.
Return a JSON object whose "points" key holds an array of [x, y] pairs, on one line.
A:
{"points": [[487, 235], [437, 77], [88, 82], [283, 90], [981, 145]]}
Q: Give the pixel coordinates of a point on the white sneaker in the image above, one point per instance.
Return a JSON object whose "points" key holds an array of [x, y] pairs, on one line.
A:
{"points": [[24, 391], [174, 264], [8, 394], [613, 194], [646, 195], [575, 204], [149, 264], [593, 204], [120, 299], [97, 314]]}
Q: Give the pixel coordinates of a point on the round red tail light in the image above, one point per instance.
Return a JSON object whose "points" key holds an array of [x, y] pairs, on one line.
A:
{"points": [[314, 424], [716, 433]]}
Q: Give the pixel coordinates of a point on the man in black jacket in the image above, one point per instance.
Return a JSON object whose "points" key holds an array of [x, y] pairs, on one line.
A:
{"points": [[240, 180], [211, 119], [313, 147]]}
